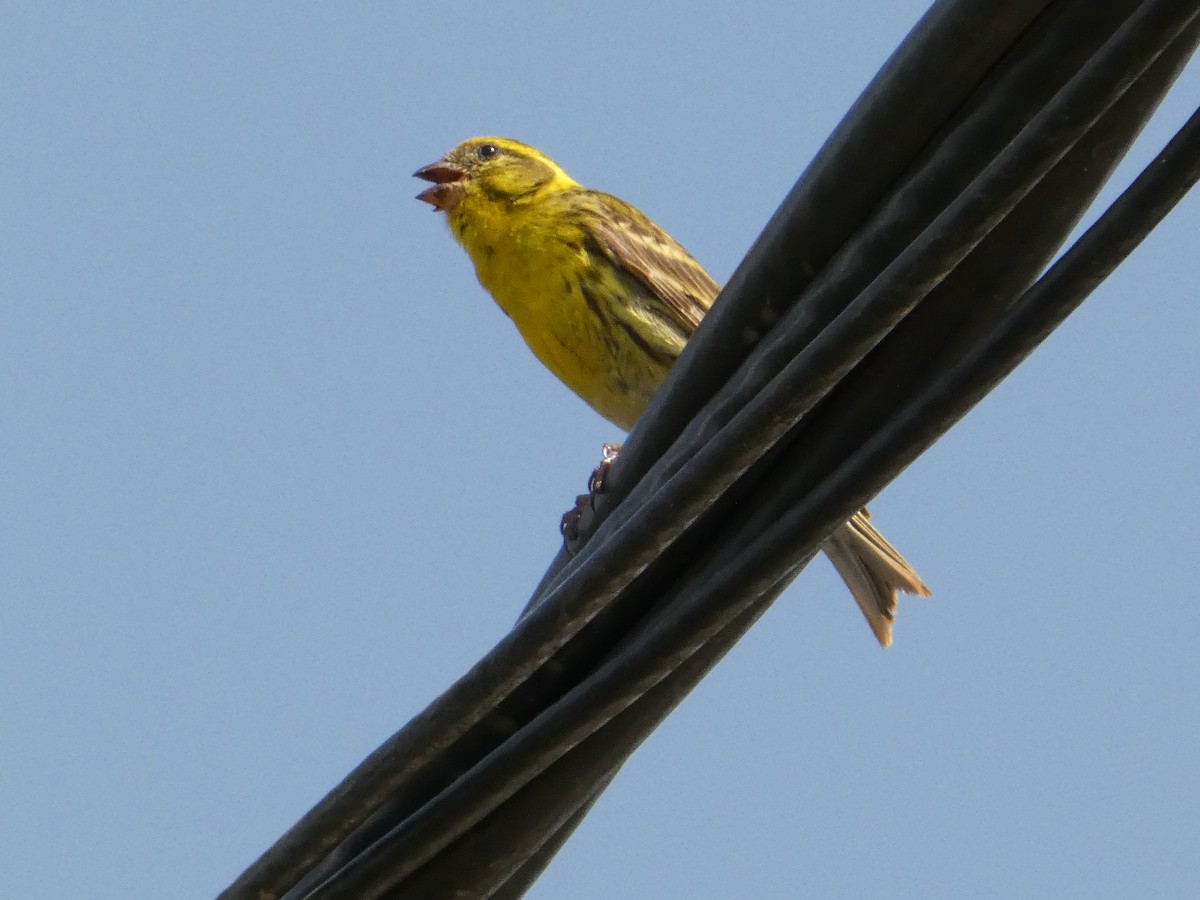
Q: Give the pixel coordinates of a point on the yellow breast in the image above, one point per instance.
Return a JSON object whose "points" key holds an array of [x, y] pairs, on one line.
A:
{"points": [[559, 291]]}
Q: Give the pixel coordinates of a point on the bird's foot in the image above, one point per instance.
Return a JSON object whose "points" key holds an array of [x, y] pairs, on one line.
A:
{"points": [[608, 456], [572, 517]]}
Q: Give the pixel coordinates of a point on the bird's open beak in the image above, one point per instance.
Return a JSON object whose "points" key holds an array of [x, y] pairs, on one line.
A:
{"points": [[447, 184]]}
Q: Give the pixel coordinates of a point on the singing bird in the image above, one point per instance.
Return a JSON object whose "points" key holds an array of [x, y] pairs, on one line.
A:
{"points": [[606, 300]]}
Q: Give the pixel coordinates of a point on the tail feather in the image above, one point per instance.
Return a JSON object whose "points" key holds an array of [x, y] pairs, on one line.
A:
{"points": [[873, 570]]}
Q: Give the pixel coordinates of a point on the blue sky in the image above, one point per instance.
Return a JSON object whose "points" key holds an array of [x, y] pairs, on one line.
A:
{"points": [[275, 470]]}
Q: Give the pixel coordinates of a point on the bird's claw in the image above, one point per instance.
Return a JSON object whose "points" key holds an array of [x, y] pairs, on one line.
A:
{"points": [[608, 455], [569, 526]]}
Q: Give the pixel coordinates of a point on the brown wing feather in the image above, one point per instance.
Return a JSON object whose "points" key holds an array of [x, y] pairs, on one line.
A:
{"points": [[654, 258]]}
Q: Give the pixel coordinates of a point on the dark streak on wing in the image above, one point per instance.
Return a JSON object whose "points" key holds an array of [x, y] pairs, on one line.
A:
{"points": [[654, 258], [595, 304], [659, 354], [663, 357]]}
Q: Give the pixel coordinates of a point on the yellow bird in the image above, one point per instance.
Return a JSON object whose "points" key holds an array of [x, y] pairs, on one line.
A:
{"points": [[606, 300]]}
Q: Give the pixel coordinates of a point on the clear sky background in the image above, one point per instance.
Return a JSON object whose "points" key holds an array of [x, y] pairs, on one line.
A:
{"points": [[274, 470]]}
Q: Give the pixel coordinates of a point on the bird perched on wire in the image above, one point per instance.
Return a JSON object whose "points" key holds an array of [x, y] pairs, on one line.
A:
{"points": [[607, 300]]}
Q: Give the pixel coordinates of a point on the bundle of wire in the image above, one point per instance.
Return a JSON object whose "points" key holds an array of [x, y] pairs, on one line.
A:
{"points": [[901, 279]]}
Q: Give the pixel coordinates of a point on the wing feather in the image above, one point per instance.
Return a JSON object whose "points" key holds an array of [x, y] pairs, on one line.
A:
{"points": [[671, 275]]}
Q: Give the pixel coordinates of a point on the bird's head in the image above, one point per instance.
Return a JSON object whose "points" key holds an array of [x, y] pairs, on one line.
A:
{"points": [[491, 168]]}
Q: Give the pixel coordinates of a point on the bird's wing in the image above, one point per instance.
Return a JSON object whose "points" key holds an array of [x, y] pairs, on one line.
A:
{"points": [[655, 259]]}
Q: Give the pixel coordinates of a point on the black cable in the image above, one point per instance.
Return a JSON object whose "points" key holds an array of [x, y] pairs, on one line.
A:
{"points": [[465, 734], [969, 303], [925, 80], [653, 651]]}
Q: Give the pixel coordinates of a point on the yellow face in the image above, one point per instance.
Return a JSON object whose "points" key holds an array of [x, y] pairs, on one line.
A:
{"points": [[491, 168]]}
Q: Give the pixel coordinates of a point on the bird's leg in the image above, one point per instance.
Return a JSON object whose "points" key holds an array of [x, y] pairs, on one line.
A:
{"points": [[570, 520]]}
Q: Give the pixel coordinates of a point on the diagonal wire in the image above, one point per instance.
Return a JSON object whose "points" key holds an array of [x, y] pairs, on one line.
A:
{"points": [[653, 652], [597, 730], [958, 39]]}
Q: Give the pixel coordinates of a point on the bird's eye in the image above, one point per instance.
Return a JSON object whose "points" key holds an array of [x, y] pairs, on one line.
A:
{"points": [[487, 151]]}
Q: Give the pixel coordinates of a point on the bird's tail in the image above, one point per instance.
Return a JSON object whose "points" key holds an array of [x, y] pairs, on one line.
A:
{"points": [[873, 570]]}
